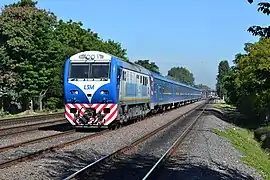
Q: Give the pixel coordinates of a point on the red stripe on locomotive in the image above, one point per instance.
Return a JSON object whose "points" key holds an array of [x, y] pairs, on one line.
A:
{"points": [[108, 118]]}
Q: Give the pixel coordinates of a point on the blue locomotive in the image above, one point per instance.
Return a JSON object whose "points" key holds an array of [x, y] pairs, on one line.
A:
{"points": [[101, 90]]}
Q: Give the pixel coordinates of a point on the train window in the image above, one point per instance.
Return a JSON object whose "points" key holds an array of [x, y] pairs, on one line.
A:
{"points": [[146, 83], [127, 76], [178, 90], [79, 70], [167, 90], [99, 70], [124, 75], [137, 76], [141, 79]]}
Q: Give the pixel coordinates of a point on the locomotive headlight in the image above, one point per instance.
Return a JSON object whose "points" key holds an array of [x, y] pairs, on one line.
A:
{"points": [[104, 92], [74, 92]]}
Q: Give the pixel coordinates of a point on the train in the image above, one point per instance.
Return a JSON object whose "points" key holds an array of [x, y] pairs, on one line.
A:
{"points": [[104, 91]]}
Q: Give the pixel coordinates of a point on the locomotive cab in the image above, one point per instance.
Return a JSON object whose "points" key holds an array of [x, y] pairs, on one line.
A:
{"points": [[89, 85], [89, 79]]}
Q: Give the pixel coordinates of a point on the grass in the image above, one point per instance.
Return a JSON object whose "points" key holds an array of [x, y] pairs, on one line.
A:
{"points": [[224, 107], [28, 113], [253, 155], [233, 115], [267, 128]]}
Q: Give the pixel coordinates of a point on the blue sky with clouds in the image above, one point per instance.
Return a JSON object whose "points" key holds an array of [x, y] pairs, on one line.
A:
{"points": [[196, 35]]}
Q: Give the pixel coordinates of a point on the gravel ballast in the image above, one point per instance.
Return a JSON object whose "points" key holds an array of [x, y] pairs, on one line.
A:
{"points": [[68, 160], [30, 135], [9, 140], [205, 155], [135, 163], [50, 121], [32, 148]]}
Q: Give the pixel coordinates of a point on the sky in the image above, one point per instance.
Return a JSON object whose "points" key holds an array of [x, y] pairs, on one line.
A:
{"points": [[195, 35]]}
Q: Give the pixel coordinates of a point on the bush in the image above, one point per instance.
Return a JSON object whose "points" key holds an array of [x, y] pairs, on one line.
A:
{"points": [[3, 113], [53, 103]]}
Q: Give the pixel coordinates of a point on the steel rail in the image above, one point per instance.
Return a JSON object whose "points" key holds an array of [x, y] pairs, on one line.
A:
{"points": [[172, 149], [4, 131], [20, 120], [49, 149], [130, 146], [29, 125], [21, 144]]}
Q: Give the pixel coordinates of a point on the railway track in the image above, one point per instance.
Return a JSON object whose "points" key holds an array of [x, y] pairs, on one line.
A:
{"points": [[14, 161], [153, 172], [110, 162], [21, 144], [49, 149], [27, 119], [28, 127]]}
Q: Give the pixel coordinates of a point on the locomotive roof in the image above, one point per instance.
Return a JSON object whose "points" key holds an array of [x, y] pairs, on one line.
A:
{"points": [[161, 77], [133, 66]]}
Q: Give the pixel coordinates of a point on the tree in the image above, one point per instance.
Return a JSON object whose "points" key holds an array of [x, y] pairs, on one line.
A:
{"points": [[202, 87], [223, 70], [23, 3], [26, 34], [70, 38], [248, 83], [33, 49], [151, 66], [264, 7], [182, 75], [115, 48]]}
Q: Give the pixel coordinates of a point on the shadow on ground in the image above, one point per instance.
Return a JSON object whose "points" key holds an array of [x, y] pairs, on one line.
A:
{"points": [[235, 118], [58, 127], [66, 127], [134, 167], [187, 171], [231, 116]]}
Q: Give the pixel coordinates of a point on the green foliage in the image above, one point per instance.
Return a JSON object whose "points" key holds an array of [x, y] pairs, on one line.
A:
{"points": [[115, 49], [182, 75], [253, 155], [248, 83], [202, 87], [151, 66], [23, 3], [53, 103], [264, 7], [3, 113], [27, 39], [223, 70], [33, 49]]}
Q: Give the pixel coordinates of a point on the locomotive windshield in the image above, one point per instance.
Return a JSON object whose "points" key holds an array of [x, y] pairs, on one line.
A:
{"points": [[89, 71], [79, 71]]}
